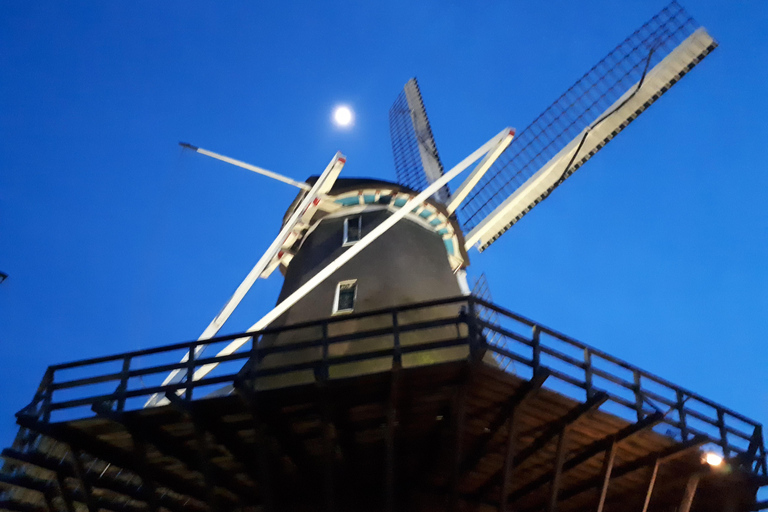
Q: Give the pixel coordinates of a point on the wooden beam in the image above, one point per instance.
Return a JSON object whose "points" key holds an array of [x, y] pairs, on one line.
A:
{"points": [[172, 446], [417, 479], [550, 431], [61, 470], [480, 447], [557, 471], [329, 449], [392, 421], [277, 426], [62, 486], [108, 453], [19, 507], [651, 483], [459, 420], [690, 492], [47, 495], [608, 460], [629, 467], [226, 437], [508, 460], [248, 399], [26, 482], [206, 468], [44, 487], [77, 467], [147, 484], [590, 451]]}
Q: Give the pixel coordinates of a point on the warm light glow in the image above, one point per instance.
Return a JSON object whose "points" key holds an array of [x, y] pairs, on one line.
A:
{"points": [[343, 116], [713, 459]]}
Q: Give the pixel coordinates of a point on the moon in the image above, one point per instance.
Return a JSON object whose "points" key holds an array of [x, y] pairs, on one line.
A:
{"points": [[343, 116]]}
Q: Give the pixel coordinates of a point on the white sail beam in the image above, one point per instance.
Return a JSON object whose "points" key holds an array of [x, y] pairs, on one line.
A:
{"points": [[472, 180], [322, 185], [244, 165], [657, 81]]}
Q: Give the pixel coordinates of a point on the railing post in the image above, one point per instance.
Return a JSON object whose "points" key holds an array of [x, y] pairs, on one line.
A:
{"points": [[723, 433], [536, 348], [681, 415], [638, 394], [190, 372], [472, 334], [47, 389], [756, 451], [123, 386], [253, 367], [588, 372], [397, 358], [757, 436]]}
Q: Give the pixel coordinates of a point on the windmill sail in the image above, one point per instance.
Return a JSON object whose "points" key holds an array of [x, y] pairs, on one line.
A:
{"points": [[417, 162], [585, 118]]}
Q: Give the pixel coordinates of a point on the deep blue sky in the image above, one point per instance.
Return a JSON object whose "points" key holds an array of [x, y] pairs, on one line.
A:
{"points": [[115, 240]]}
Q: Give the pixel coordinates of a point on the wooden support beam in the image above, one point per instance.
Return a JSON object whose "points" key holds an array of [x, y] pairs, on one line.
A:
{"points": [[608, 460], [550, 431], [651, 483], [48, 496], [590, 451], [147, 484], [19, 507], [25, 482], [63, 469], [629, 467], [690, 493], [206, 468], [480, 447], [248, 399], [509, 459], [63, 493], [557, 470], [77, 467], [459, 422], [228, 438], [106, 452], [171, 446], [417, 479], [329, 449], [44, 487], [279, 428], [392, 422]]}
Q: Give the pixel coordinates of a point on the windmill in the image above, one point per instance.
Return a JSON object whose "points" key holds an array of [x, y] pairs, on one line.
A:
{"points": [[375, 383]]}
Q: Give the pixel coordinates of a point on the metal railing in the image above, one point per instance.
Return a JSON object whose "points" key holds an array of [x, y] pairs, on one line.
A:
{"points": [[393, 336]]}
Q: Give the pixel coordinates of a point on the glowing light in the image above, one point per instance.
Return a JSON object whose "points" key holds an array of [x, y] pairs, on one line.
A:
{"points": [[713, 459], [343, 116]]}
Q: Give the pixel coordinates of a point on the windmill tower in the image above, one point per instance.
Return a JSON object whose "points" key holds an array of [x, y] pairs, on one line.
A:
{"points": [[376, 383]]}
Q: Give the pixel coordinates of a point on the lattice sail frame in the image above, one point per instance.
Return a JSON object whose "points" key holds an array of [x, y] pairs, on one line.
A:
{"points": [[417, 162], [577, 109]]}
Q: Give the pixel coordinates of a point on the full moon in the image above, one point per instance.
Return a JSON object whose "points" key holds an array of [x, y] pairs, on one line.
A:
{"points": [[343, 116]]}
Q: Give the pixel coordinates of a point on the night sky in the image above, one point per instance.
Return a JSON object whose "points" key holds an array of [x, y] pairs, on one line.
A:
{"points": [[116, 239]]}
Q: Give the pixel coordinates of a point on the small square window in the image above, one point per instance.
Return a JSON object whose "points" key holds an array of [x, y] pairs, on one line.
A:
{"points": [[353, 229], [346, 293]]}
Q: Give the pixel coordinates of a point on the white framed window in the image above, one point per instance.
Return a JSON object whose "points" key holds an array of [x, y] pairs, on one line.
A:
{"points": [[353, 229], [346, 293]]}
